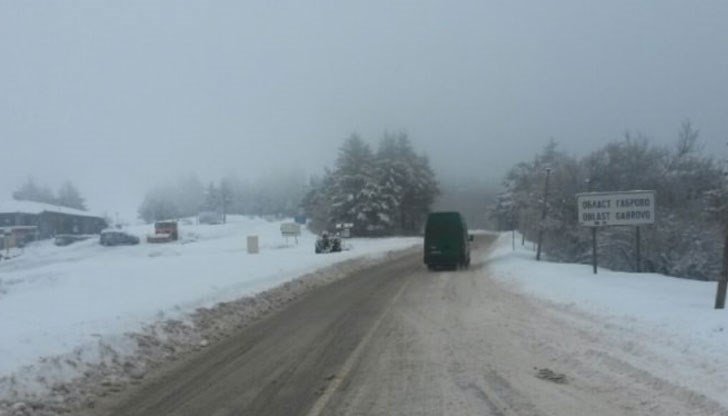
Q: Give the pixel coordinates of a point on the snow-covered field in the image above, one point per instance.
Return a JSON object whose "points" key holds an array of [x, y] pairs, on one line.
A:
{"points": [[665, 326], [73, 301]]}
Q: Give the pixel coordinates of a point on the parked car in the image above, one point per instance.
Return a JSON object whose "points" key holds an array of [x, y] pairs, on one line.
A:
{"points": [[209, 217], [66, 239], [117, 238]]}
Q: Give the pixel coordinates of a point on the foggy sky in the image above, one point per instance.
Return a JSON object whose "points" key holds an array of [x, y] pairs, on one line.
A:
{"points": [[119, 96]]}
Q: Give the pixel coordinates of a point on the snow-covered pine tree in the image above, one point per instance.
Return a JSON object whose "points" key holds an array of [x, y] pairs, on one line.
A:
{"points": [[212, 198], [421, 194], [69, 196], [189, 194], [503, 212], [393, 174], [31, 191], [686, 238], [384, 193], [316, 203], [159, 204], [411, 181], [353, 173]]}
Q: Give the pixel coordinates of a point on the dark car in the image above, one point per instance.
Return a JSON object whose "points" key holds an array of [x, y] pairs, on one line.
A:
{"points": [[67, 239], [447, 243], [117, 238]]}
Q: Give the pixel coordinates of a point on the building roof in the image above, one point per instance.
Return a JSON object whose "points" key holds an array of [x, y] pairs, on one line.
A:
{"points": [[30, 207]]}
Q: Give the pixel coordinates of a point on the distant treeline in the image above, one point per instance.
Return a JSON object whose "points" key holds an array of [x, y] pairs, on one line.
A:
{"points": [[386, 192], [687, 237], [277, 194], [66, 196]]}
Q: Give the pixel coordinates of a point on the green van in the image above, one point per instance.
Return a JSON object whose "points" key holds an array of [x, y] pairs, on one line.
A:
{"points": [[447, 243]]}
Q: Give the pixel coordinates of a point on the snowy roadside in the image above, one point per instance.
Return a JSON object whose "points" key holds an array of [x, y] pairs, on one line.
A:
{"points": [[664, 326], [82, 321]]}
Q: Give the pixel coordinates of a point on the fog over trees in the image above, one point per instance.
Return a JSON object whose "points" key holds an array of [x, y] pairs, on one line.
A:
{"points": [[471, 197], [67, 196], [383, 192], [691, 203], [241, 88], [276, 194]]}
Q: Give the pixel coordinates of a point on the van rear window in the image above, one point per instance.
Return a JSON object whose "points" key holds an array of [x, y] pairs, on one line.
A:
{"points": [[443, 228]]}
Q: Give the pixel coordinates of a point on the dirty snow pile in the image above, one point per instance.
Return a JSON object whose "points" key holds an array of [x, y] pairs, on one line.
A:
{"points": [[668, 325], [76, 310]]}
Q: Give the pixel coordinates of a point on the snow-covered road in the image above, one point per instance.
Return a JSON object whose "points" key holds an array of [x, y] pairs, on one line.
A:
{"points": [[397, 339], [480, 342], [509, 336]]}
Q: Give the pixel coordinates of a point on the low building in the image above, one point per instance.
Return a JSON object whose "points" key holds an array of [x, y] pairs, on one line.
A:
{"points": [[35, 220]]}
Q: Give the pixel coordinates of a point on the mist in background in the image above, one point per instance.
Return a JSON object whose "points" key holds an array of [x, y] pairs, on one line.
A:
{"points": [[117, 97]]}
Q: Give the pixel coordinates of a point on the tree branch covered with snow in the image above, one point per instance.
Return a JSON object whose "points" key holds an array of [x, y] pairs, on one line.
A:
{"points": [[691, 204], [386, 192]]}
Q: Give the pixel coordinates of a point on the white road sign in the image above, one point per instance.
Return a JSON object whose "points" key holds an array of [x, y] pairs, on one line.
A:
{"points": [[290, 229], [600, 209]]}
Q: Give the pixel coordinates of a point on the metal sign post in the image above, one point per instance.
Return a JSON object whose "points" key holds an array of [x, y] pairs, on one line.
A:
{"points": [[291, 229], [344, 229], [638, 256], [603, 209], [594, 248]]}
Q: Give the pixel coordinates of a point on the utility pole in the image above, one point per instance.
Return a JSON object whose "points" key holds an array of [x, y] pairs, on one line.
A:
{"points": [[720, 293], [594, 249], [638, 262], [589, 182], [513, 230], [543, 214]]}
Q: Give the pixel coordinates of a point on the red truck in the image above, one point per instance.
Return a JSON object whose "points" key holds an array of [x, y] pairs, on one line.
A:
{"points": [[164, 232]]}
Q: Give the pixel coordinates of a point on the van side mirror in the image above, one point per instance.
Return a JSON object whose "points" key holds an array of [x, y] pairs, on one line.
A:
{"points": [[471, 237]]}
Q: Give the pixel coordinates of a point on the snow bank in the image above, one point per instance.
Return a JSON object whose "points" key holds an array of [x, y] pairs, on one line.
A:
{"points": [[81, 301], [672, 317]]}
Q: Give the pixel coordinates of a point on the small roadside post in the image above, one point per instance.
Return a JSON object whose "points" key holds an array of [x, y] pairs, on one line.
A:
{"points": [[252, 244]]}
